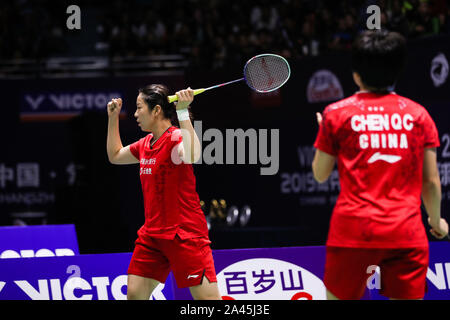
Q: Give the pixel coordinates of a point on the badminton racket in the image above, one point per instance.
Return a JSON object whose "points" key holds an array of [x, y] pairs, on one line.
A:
{"points": [[262, 73]]}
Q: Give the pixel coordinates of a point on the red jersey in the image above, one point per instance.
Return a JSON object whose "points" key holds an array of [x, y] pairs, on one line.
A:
{"points": [[171, 203], [379, 143]]}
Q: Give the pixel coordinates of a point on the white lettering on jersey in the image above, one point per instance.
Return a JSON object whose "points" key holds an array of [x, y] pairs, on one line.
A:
{"points": [[379, 122], [145, 161], [145, 171], [383, 140], [376, 124]]}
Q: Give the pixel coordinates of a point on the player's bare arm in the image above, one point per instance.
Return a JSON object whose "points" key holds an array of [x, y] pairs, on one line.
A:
{"points": [[189, 150], [117, 154], [431, 194], [323, 163]]}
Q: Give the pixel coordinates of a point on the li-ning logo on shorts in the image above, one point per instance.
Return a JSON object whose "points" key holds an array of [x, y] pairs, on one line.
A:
{"points": [[192, 276]]}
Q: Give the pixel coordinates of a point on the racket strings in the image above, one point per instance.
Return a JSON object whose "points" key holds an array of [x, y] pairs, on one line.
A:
{"points": [[266, 73]]}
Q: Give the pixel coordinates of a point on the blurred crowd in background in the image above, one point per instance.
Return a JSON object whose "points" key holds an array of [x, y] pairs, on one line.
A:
{"points": [[209, 33]]}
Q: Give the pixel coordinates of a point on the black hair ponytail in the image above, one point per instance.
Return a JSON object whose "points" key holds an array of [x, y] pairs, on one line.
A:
{"points": [[156, 94]]}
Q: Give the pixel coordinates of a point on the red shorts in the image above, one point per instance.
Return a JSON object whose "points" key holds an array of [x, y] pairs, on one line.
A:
{"points": [[402, 271], [190, 260]]}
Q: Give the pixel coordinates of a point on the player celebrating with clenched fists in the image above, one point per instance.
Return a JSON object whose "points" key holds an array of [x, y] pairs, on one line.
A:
{"points": [[175, 234]]}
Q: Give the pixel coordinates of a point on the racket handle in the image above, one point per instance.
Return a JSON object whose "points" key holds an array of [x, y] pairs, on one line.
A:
{"points": [[174, 97]]}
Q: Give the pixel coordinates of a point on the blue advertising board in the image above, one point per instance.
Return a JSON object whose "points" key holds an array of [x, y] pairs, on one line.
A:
{"points": [[295, 273], [292, 273], [38, 241], [82, 277], [289, 273]]}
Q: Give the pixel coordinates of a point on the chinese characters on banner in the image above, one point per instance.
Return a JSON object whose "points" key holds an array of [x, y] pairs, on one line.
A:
{"points": [[28, 187], [268, 278]]}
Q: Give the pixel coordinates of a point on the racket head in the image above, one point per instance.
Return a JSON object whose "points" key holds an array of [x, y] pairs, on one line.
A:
{"points": [[266, 72]]}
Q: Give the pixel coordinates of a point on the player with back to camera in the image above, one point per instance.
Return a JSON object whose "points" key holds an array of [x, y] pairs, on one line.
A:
{"points": [[174, 235], [385, 148]]}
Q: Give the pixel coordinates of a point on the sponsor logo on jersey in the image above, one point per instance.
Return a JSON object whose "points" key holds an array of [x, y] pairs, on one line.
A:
{"points": [[385, 157]]}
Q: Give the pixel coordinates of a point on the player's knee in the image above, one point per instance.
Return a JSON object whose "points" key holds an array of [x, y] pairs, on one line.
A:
{"points": [[331, 296], [206, 291], [208, 296], [132, 293], [136, 293]]}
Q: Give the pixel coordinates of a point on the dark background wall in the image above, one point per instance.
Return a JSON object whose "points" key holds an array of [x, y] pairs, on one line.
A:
{"points": [[104, 201]]}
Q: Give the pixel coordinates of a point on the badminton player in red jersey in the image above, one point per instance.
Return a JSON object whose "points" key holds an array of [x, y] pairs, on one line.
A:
{"points": [[385, 148], [175, 234]]}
